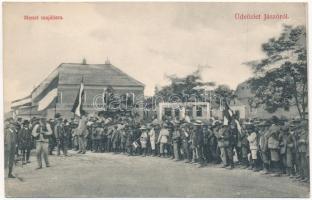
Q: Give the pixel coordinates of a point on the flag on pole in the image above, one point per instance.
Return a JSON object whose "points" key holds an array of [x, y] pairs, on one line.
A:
{"points": [[48, 94], [47, 100], [220, 104], [127, 100], [104, 99], [227, 113], [77, 108]]}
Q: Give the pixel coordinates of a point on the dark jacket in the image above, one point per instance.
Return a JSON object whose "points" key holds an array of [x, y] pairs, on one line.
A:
{"points": [[25, 139]]}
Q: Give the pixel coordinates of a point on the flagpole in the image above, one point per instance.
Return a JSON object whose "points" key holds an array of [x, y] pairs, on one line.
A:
{"points": [[81, 99], [126, 101], [220, 104], [103, 99], [55, 106], [30, 113]]}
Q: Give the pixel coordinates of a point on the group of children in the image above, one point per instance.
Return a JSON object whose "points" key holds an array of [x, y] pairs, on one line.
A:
{"points": [[274, 146]]}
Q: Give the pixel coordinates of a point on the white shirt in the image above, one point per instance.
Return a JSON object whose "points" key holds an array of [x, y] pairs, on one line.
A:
{"points": [[35, 132]]}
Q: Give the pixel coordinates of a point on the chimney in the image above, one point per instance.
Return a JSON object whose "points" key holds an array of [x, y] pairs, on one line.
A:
{"points": [[107, 62], [84, 61]]}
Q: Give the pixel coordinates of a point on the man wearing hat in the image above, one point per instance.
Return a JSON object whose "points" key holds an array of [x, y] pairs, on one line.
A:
{"points": [[163, 139], [94, 137], [123, 138], [185, 140], [253, 145], [223, 144], [104, 137], [273, 145], [18, 125], [10, 141], [207, 135], [82, 133], [143, 140], [291, 151], [263, 145], [152, 138], [176, 138], [42, 132], [130, 139], [157, 131], [98, 131], [60, 136], [303, 150], [197, 143], [75, 143], [115, 138], [25, 141], [52, 139], [108, 133], [283, 145]]}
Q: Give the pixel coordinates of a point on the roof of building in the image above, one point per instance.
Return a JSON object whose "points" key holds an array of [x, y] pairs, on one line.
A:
{"points": [[21, 99], [92, 74], [95, 74]]}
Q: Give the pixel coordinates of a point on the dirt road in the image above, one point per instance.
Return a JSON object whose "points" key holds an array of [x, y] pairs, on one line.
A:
{"points": [[110, 175]]}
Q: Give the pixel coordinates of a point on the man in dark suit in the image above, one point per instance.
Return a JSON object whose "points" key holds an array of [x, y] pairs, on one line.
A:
{"points": [[10, 141]]}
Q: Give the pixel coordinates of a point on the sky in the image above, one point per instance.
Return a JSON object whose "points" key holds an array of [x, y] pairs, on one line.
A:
{"points": [[146, 40]]}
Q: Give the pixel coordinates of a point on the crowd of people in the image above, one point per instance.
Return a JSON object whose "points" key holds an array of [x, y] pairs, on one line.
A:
{"points": [[274, 146]]}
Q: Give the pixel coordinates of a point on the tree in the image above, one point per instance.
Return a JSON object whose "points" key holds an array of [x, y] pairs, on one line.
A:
{"points": [[224, 92], [182, 89], [281, 77]]}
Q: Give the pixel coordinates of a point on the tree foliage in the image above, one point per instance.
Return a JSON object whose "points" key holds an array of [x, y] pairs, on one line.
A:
{"points": [[191, 88], [182, 89], [223, 93], [281, 77]]}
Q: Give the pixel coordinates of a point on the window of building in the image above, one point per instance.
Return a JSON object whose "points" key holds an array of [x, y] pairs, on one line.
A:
{"points": [[60, 98], [199, 111], [189, 111], [177, 113], [167, 111]]}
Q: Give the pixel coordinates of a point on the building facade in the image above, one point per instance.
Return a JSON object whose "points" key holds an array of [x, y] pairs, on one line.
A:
{"points": [[194, 110], [57, 92], [244, 96]]}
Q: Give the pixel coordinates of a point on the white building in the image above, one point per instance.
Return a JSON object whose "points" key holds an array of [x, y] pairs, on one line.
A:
{"points": [[195, 110]]}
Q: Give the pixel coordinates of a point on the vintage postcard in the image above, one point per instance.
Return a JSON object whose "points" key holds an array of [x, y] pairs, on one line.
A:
{"points": [[156, 99]]}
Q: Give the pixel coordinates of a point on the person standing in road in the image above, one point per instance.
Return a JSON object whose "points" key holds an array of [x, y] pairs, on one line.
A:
{"points": [[223, 143], [42, 132], [163, 140], [82, 133], [152, 139], [263, 146], [123, 139], [253, 145], [199, 142], [303, 149], [185, 139], [273, 145], [115, 139], [176, 137], [25, 141], [52, 139], [61, 137], [143, 140], [10, 141], [291, 152], [231, 137], [130, 139]]}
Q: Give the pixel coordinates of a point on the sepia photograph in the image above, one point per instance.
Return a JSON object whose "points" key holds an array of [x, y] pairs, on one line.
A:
{"points": [[155, 100]]}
